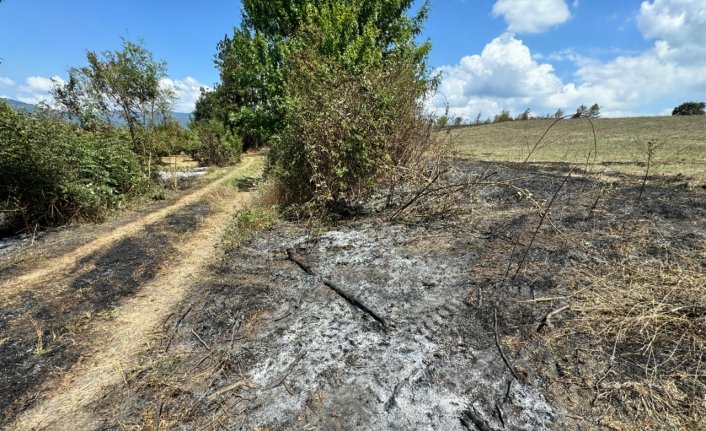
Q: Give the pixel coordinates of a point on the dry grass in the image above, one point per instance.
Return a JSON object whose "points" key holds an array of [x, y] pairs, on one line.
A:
{"points": [[649, 322], [116, 344], [642, 318], [679, 143]]}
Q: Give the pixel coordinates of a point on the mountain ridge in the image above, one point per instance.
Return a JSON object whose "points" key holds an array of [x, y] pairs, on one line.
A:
{"points": [[182, 117]]}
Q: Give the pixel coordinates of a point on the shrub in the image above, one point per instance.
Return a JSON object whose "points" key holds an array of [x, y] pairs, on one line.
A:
{"points": [[52, 172], [690, 108], [583, 111], [170, 139], [502, 117], [215, 145], [247, 222], [346, 131]]}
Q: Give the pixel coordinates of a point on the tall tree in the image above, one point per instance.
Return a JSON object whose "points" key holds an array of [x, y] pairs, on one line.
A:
{"points": [[126, 83], [253, 62]]}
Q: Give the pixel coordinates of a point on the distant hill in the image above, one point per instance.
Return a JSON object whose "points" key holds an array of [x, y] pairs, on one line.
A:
{"points": [[19, 105], [181, 117]]}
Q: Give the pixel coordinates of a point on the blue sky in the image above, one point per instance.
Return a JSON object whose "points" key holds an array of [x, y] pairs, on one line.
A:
{"points": [[632, 57]]}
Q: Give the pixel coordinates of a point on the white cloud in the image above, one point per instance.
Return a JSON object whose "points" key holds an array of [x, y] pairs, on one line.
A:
{"points": [[37, 89], [532, 16], [506, 75], [6, 82], [679, 24], [187, 91], [39, 83]]}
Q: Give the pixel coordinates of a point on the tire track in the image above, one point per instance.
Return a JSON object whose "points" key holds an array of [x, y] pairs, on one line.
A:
{"points": [[63, 264], [113, 346]]}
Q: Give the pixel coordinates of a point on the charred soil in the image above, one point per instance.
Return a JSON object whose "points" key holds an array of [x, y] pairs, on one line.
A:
{"points": [[481, 317]]}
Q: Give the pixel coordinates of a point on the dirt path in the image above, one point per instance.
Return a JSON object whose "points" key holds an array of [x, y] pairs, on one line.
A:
{"points": [[109, 347], [64, 263]]}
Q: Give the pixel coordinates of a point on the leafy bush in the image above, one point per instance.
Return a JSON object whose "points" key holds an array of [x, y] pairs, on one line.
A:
{"points": [[214, 144], [346, 131], [52, 172], [690, 108], [502, 117], [247, 222], [170, 139]]}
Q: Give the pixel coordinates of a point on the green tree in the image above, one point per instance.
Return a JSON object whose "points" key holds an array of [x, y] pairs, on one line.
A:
{"points": [[559, 113], [594, 111], [126, 83], [253, 62], [690, 108], [502, 117], [583, 111], [458, 121]]}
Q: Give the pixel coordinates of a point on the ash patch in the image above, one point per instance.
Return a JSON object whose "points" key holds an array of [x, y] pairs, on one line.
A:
{"points": [[311, 359], [277, 349], [437, 361]]}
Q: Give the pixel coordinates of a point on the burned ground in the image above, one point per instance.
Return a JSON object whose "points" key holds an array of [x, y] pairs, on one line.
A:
{"points": [[43, 328], [486, 324]]}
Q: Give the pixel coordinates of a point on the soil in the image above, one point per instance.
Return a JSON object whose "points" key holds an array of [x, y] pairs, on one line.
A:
{"points": [[53, 322], [420, 323]]}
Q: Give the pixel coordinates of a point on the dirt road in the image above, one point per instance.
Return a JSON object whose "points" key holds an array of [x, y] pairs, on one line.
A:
{"points": [[71, 327]]}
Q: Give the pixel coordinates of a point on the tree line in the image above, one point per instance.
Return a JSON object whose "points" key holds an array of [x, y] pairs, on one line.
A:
{"points": [[582, 111], [334, 88], [96, 149]]}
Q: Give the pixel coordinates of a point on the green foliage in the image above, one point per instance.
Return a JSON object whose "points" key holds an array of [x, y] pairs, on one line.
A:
{"points": [[52, 172], [690, 108], [442, 121], [170, 138], [559, 113], [332, 84], [583, 111], [214, 145], [126, 82], [594, 111], [253, 62], [502, 117], [345, 130], [247, 222], [458, 121]]}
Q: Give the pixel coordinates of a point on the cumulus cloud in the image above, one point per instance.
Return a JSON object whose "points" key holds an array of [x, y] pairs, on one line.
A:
{"points": [[507, 75], [677, 24], [37, 89], [532, 16], [187, 92], [504, 75], [6, 82]]}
